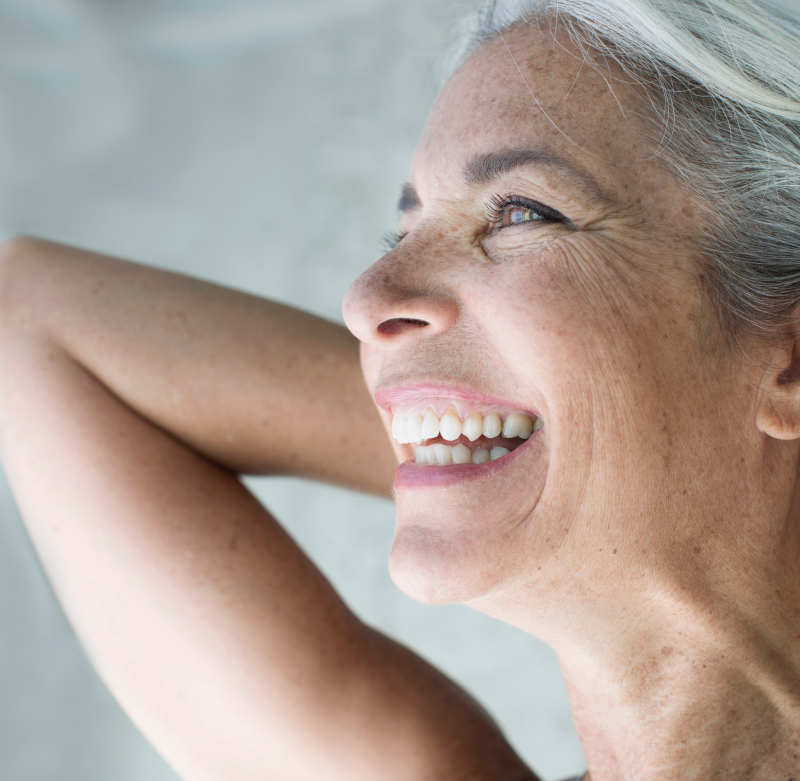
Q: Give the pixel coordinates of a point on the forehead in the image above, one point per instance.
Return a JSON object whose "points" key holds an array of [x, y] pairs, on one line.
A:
{"points": [[532, 89]]}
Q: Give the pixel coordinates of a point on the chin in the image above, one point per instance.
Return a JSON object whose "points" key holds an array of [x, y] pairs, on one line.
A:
{"points": [[437, 568]]}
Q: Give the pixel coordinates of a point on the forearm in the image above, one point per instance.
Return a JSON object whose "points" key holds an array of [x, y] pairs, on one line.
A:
{"points": [[254, 385]]}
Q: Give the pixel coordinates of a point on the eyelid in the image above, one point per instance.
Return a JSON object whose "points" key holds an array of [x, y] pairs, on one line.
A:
{"points": [[498, 204], [494, 215]]}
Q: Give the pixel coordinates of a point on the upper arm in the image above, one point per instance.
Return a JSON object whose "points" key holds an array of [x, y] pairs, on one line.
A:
{"points": [[223, 642]]}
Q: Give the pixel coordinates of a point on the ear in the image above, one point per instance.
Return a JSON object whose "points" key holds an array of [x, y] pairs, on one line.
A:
{"points": [[778, 413]]}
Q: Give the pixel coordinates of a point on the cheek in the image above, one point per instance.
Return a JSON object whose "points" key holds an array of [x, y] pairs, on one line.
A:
{"points": [[615, 365], [567, 319]]}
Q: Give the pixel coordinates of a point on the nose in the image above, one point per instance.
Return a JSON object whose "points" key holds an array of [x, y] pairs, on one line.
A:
{"points": [[391, 305]]}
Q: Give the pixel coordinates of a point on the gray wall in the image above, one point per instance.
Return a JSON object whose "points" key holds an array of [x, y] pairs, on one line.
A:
{"points": [[259, 145]]}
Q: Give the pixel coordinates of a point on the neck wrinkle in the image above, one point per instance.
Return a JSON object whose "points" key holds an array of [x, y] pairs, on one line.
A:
{"points": [[702, 697]]}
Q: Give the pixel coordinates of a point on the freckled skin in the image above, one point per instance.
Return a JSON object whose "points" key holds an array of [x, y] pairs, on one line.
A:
{"points": [[649, 531], [651, 536]]}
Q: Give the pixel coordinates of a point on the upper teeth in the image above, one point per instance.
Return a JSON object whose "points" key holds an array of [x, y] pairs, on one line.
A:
{"points": [[414, 428]]}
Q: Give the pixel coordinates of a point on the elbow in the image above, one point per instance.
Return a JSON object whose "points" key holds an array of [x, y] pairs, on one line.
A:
{"points": [[16, 246], [15, 254], [14, 249]]}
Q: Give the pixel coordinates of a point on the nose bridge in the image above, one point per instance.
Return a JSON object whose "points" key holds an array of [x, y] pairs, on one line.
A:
{"points": [[400, 298]]}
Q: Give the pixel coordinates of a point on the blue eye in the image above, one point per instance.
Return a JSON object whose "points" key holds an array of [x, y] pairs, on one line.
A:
{"points": [[504, 211], [518, 214]]}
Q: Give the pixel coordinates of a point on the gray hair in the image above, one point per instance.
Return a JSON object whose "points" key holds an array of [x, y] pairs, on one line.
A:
{"points": [[723, 77]]}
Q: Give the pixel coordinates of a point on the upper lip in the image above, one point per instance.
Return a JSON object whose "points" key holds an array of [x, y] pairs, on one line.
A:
{"points": [[397, 395]]}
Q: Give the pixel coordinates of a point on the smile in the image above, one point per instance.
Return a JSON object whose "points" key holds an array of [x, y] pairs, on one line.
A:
{"points": [[451, 431]]}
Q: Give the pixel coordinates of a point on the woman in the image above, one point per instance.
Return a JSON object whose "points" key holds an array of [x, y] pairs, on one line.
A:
{"points": [[585, 346]]}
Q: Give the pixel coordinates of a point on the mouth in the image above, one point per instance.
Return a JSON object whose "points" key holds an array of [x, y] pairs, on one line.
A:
{"points": [[457, 430], [458, 436]]}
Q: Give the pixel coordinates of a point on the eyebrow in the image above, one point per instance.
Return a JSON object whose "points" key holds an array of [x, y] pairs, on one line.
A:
{"points": [[485, 168], [409, 200]]}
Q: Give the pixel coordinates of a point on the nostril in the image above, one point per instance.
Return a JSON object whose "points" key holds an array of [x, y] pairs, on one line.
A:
{"points": [[398, 324]]}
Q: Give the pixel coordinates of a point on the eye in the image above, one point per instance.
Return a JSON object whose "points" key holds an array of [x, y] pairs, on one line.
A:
{"points": [[504, 211], [391, 240]]}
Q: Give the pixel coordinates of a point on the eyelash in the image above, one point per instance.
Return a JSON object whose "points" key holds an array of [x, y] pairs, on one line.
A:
{"points": [[495, 210], [494, 213], [391, 239]]}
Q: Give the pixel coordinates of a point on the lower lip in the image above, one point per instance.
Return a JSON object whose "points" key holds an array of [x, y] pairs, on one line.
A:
{"points": [[411, 475]]}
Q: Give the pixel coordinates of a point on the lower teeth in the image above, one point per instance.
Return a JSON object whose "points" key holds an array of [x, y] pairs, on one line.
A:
{"points": [[444, 455]]}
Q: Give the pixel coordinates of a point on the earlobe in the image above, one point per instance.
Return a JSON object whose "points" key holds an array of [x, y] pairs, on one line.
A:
{"points": [[778, 413], [777, 420]]}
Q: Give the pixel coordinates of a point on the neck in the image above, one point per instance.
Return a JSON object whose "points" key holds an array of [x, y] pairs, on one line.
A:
{"points": [[698, 676], [681, 680], [687, 706]]}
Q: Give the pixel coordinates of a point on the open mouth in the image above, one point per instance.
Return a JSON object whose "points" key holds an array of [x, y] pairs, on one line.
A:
{"points": [[444, 432]]}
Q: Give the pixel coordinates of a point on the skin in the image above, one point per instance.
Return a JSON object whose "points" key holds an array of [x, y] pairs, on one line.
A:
{"points": [[136, 396], [649, 532]]}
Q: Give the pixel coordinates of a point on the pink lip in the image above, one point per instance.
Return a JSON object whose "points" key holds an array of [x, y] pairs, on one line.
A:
{"points": [[403, 394], [410, 475]]}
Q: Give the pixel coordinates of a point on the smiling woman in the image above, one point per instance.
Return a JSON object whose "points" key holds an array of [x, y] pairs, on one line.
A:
{"points": [[584, 348]]}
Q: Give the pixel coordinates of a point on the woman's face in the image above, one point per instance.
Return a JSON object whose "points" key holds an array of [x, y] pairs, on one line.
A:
{"points": [[546, 268]]}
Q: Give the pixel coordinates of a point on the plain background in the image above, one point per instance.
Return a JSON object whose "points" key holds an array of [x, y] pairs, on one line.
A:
{"points": [[259, 145]]}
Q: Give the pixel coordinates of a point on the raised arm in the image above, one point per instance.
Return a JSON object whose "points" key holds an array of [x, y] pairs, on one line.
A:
{"points": [[128, 400], [256, 386]]}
